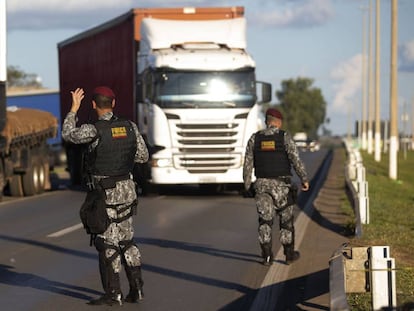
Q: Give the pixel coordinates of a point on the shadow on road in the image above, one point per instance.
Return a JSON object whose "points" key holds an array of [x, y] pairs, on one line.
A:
{"points": [[287, 300], [192, 247], [13, 278]]}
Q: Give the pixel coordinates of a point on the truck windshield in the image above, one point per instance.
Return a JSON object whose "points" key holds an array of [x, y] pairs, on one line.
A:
{"points": [[230, 89]]}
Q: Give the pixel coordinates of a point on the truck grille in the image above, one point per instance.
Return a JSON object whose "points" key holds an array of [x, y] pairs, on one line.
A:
{"points": [[207, 148]]}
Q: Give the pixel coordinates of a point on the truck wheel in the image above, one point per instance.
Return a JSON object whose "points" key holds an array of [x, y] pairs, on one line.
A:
{"points": [[16, 186], [34, 178], [40, 167], [46, 175]]}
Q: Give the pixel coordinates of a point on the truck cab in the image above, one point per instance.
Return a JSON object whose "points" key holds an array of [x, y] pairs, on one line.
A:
{"points": [[199, 105]]}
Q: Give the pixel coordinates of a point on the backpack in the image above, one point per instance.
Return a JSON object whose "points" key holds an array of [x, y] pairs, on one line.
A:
{"points": [[93, 213]]}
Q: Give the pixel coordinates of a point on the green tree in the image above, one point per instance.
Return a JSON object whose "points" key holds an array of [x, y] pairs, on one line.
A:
{"points": [[302, 105], [18, 78]]}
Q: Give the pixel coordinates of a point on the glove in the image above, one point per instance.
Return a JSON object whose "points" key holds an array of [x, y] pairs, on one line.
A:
{"points": [[249, 193]]}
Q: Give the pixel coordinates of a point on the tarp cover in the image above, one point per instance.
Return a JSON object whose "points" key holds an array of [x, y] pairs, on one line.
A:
{"points": [[26, 121]]}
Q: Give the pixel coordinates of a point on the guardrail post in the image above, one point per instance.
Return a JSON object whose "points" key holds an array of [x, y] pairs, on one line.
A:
{"points": [[363, 200], [362, 269], [359, 185], [382, 276]]}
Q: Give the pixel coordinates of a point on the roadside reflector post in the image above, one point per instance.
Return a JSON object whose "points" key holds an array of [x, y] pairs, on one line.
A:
{"points": [[382, 278]]}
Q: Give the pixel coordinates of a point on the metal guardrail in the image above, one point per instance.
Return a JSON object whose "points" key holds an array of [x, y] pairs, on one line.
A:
{"points": [[361, 269], [358, 187], [337, 277]]}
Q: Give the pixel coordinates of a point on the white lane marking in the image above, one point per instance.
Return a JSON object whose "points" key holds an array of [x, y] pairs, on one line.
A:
{"points": [[65, 231]]}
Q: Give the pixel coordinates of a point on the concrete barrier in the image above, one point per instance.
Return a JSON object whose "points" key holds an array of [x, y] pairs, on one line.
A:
{"points": [[359, 270]]}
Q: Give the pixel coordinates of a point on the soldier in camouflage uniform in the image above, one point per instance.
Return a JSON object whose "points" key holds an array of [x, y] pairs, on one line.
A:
{"points": [[272, 152], [114, 146]]}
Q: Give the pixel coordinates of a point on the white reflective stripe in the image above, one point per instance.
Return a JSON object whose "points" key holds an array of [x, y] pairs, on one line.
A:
{"points": [[65, 231]]}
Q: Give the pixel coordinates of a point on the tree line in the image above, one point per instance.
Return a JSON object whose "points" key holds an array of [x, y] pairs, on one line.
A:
{"points": [[302, 105], [19, 78]]}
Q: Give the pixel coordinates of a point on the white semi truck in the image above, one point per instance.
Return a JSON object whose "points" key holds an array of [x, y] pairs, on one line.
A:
{"points": [[199, 103], [185, 77]]}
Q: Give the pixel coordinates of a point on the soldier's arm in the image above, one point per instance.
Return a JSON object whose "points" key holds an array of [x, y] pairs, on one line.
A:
{"points": [[77, 135], [141, 155], [295, 160], [248, 164]]}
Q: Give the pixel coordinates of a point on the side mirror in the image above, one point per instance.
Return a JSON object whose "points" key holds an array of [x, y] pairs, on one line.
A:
{"points": [[264, 92]]}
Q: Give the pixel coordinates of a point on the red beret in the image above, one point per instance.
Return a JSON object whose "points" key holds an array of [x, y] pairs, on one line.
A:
{"points": [[274, 113], [105, 91]]}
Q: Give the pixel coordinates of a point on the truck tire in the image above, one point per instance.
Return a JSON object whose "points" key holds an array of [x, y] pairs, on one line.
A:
{"points": [[40, 166], [16, 186], [46, 179], [34, 178]]}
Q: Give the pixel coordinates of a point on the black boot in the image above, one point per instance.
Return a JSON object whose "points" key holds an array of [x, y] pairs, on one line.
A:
{"points": [[110, 283], [290, 253], [267, 254], [114, 299], [136, 284]]}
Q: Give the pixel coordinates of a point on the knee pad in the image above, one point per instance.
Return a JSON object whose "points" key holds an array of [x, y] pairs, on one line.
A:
{"points": [[130, 253], [125, 245], [102, 248], [265, 222]]}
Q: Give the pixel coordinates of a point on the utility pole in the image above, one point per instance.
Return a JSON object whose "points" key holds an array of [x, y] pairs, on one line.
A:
{"points": [[364, 81], [412, 123], [370, 82], [393, 91], [3, 65], [377, 86], [404, 137]]}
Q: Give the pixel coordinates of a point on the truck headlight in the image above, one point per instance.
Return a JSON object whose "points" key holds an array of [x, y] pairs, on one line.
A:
{"points": [[161, 162]]}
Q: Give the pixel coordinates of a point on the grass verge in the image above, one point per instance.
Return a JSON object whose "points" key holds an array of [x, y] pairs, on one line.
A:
{"points": [[391, 210]]}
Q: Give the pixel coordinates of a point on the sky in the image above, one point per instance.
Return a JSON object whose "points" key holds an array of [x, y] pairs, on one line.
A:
{"points": [[317, 39]]}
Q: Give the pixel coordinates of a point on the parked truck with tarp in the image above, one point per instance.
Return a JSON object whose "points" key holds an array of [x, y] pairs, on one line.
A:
{"points": [[24, 153]]}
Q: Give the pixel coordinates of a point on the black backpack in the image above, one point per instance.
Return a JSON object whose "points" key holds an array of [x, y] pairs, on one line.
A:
{"points": [[93, 213]]}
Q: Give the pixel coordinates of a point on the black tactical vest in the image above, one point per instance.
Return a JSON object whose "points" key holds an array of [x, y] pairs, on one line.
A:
{"points": [[270, 157], [114, 155]]}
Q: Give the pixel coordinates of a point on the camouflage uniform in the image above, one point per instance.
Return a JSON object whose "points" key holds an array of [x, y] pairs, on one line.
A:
{"points": [[117, 240], [272, 194]]}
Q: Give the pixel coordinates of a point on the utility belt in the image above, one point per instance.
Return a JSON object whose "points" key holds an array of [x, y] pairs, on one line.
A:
{"points": [[132, 211], [285, 179], [109, 182]]}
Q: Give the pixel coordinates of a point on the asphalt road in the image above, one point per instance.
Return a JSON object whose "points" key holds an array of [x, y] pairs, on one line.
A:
{"points": [[199, 251]]}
